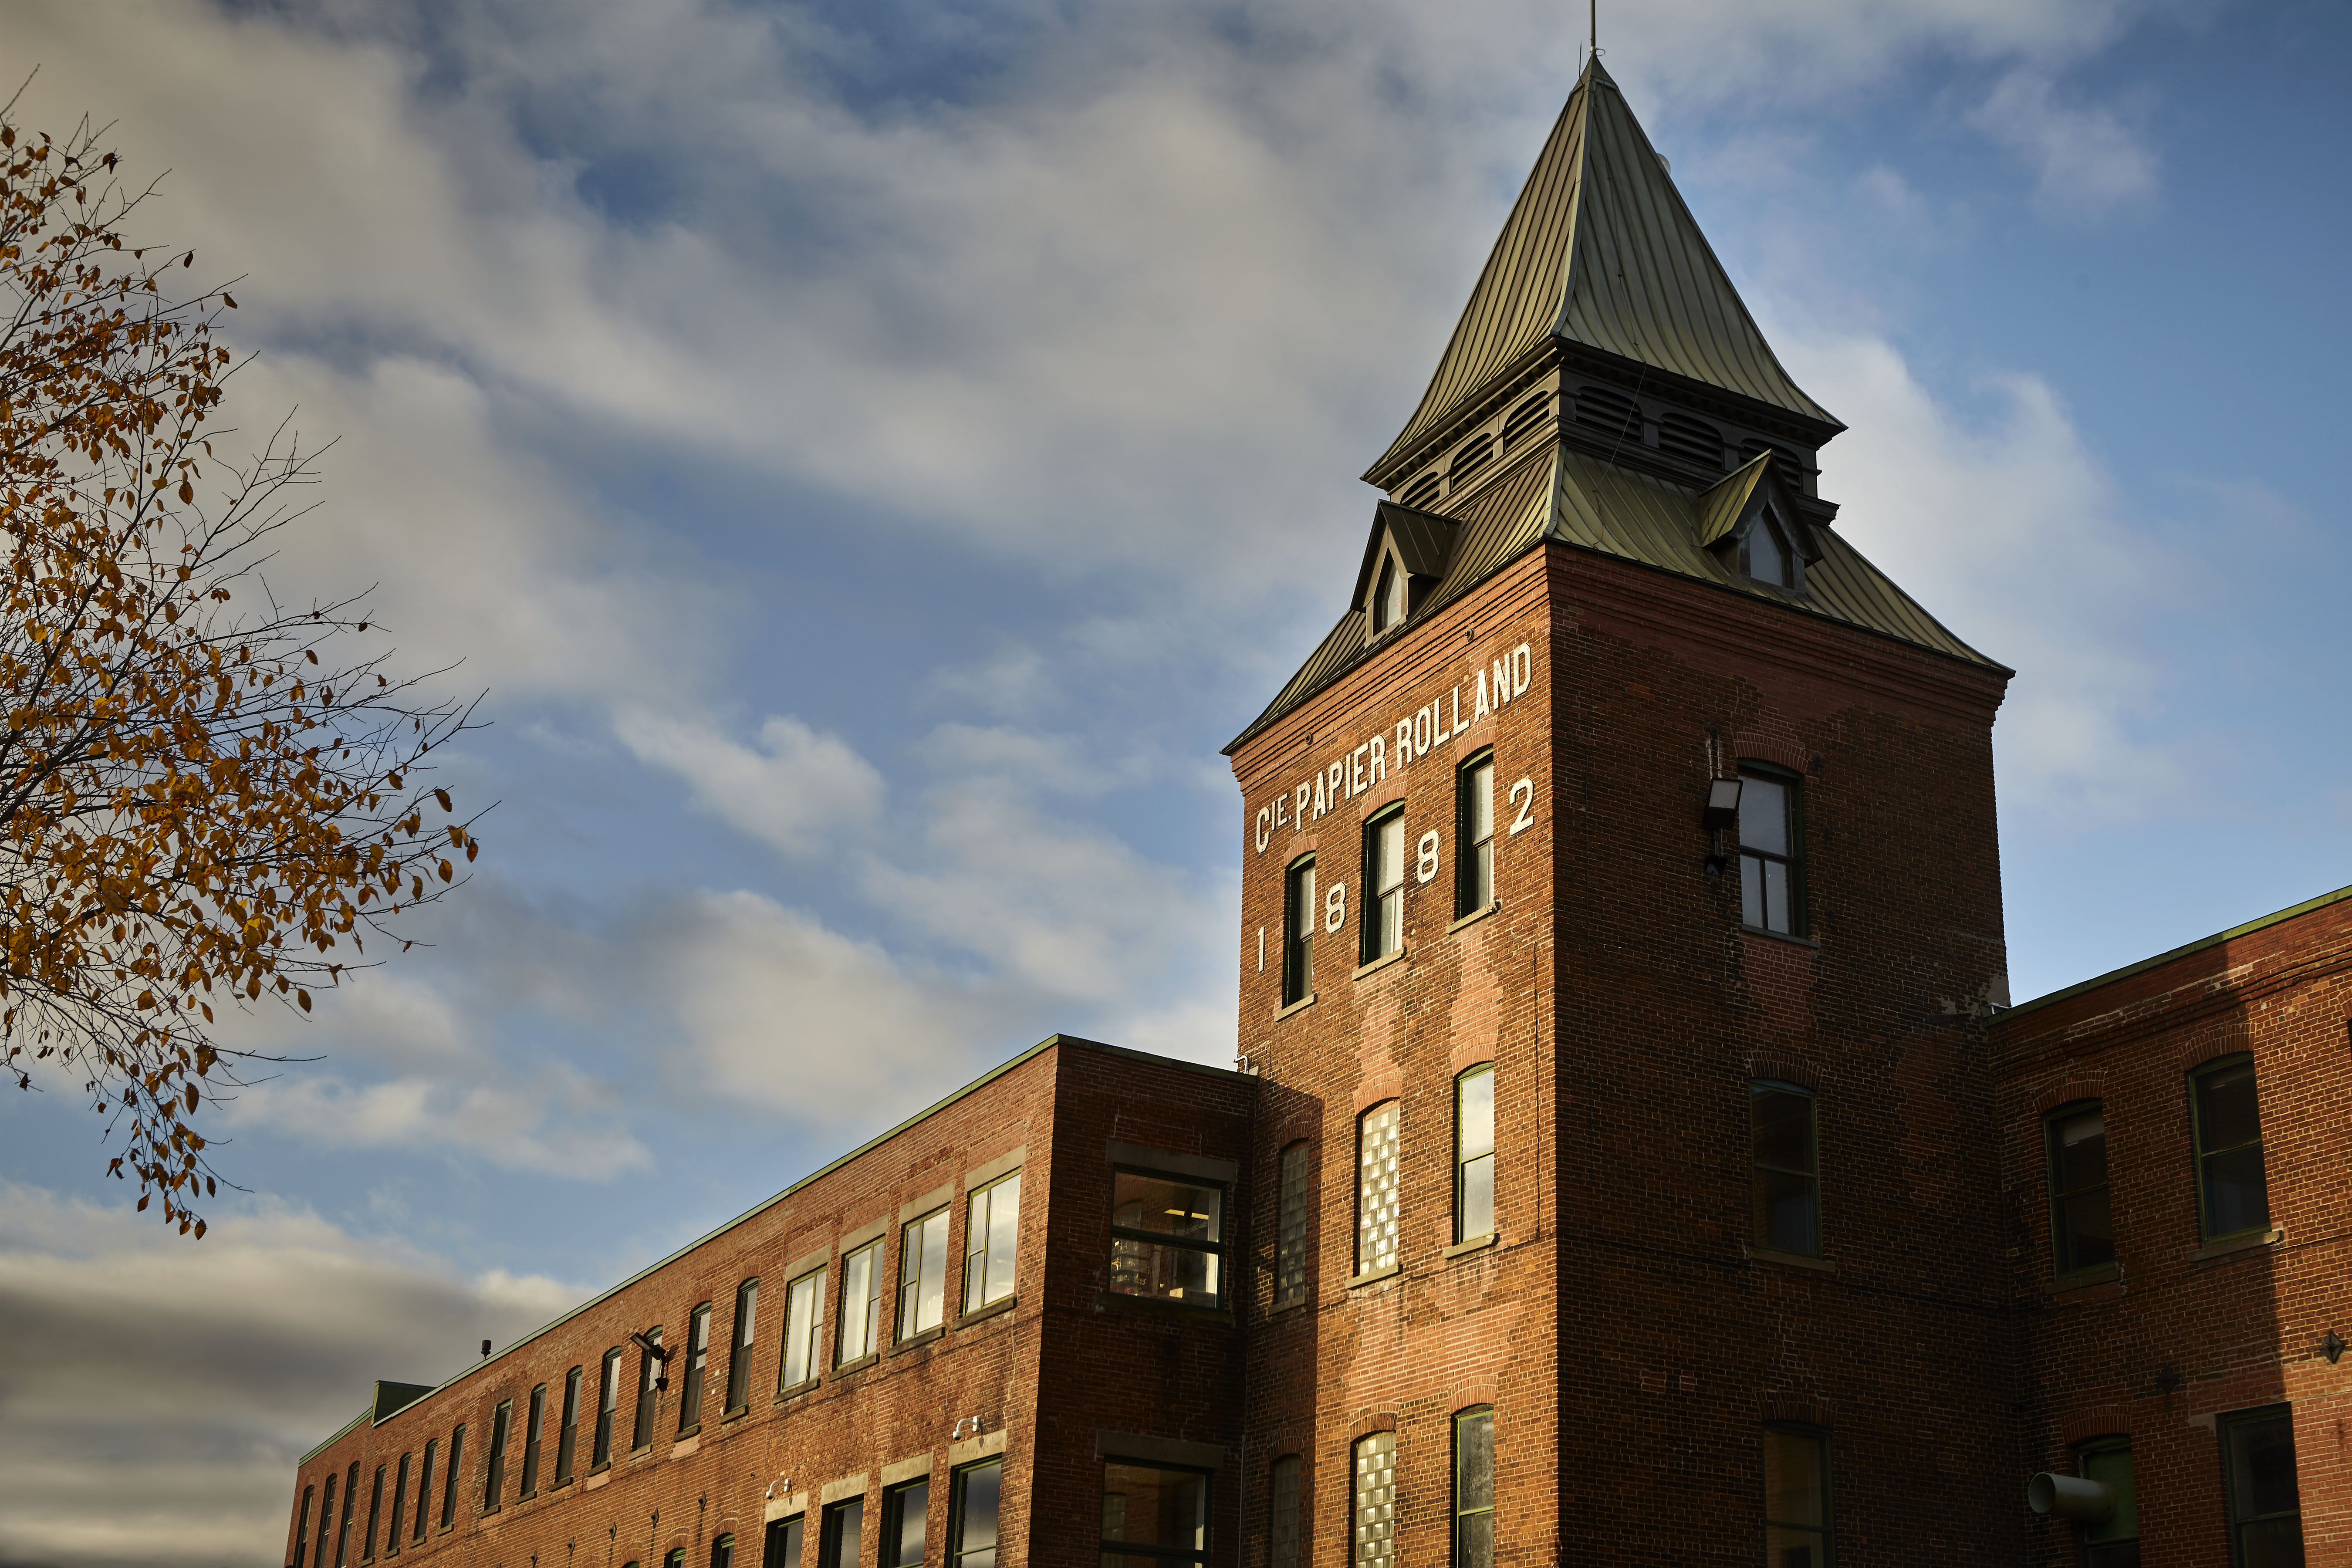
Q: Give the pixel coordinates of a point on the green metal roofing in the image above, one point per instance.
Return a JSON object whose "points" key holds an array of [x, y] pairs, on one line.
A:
{"points": [[1599, 250], [2218, 937], [1721, 507]]}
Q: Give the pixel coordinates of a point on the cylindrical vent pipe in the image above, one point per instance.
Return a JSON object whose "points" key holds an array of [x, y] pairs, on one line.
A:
{"points": [[2071, 1497]]}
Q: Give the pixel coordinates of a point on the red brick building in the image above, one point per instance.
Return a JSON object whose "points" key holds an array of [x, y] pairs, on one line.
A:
{"points": [[1632, 1160]]}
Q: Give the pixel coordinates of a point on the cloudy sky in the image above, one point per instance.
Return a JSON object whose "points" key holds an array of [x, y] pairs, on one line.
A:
{"points": [[874, 453]]}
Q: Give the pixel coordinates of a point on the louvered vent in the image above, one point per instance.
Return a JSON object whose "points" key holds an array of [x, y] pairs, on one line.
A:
{"points": [[1525, 420], [1693, 440], [1610, 412], [1474, 456], [1421, 492]]}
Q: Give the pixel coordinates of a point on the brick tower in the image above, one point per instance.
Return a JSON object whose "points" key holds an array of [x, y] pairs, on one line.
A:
{"points": [[1621, 896]]}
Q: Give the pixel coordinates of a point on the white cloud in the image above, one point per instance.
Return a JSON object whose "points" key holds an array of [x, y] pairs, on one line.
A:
{"points": [[2088, 161], [793, 792], [161, 1390]]}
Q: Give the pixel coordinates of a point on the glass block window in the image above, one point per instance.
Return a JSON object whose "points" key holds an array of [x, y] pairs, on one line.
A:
{"points": [[1291, 1228], [1372, 1539], [1284, 1513], [2232, 1194], [1376, 1188], [2082, 1233]]}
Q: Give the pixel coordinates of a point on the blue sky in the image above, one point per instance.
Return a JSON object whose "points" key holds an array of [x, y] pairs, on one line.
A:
{"points": [[872, 456]]}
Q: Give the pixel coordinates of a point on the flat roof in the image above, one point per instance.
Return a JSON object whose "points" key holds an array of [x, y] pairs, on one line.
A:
{"points": [[2216, 939]]}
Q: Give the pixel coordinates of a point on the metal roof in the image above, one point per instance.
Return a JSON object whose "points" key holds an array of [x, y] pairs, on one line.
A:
{"points": [[1600, 249], [2216, 939]]}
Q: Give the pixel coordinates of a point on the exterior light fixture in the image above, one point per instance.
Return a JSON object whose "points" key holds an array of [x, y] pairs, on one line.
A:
{"points": [[2332, 1347], [486, 1350], [1722, 805]]}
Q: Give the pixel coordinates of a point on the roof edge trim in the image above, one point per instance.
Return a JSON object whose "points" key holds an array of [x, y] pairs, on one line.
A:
{"points": [[2127, 971]]}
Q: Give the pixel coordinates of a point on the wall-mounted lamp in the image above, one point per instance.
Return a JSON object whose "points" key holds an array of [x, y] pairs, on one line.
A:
{"points": [[972, 1421], [1722, 806], [2332, 1347], [783, 1481], [2167, 1378], [661, 1355]]}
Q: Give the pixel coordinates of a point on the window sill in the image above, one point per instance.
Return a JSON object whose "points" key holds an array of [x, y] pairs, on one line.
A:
{"points": [[1780, 936], [598, 1470], [1285, 1309], [1374, 1276], [2231, 1246], [917, 1341], [2100, 1274], [806, 1385], [685, 1432], [1161, 1307], [982, 1314], [558, 1485], [598, 1480], [1375, 966], [737, 1413], [1474, 916], [1475, 1244], [644, 1453], [1299, 1006], [860, 1364], [1755, 1254]]}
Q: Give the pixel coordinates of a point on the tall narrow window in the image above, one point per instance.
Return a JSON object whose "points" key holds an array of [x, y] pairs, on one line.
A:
{"points": [[494, 1477], [739, 1358], [845, 1528], [1291, 1227], [2265, 1503], [698, 1360], [974, 1498], [608, 1402], [1376, 1188], [1474, 1154], [1298, 930], [1474, 831], [1474, 1488], [534, 1425], [1372, 1536], [722, 1552], [1785, 1170], [992, 1237], [648, 1393], [449, 1480], [1383, 917], [804, 1321], [1389, 598], [567, 1436], [1282, 1528], [905, 1511], [399, 1500], [1796, 1497], [375, 1516], [424, 1488], [782, 1548], [326, 1518], [302, 1529], [861, 1303], [1772, 892], [1167, 1236], [2114, 1542], [1152, 1514], [1765, 555], [2081, 1234], [350, 1504], [2232, 1194], [923, 1274]]}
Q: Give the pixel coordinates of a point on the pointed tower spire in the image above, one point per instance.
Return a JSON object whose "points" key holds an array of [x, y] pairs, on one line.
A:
{"points": [[1601, 252]]}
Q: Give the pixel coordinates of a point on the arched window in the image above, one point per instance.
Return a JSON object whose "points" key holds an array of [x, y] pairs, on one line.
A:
{"points": [[2113, 1541], [1383, 918], [1772, 841], [1298, 930], [1372, 1536], [2232, 1192], [1290, 1246], [2082, 1230], [1377, 1147], [1784, 1169]]}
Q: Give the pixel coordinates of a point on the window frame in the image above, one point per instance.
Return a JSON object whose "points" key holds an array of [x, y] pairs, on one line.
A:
{"points": [[534, 1442], [914, 1259], [608, 1410], [2226, 1429], [869, 1313], [1457, 1557], [375, 1517], [567, 1431], [1463, 1160], [1214, 1247], [1473, 856], [425, 1492], [1298, 916], [1759, 1234], [452, 1474], [780, 1544], [649, 1411], [895, 1500], [698, 1368], [326, 1518], [1381, 900], [1395, 1189], [399, 1496], [1197, 1556], [1285, 1510], [812, 1340], [981, 1216], [2094, 1551], [956, 1554], [1792, 784], [722, 1551], [1828, 1527], [1357, 1557], [494, 1466], [2063, 1262], [1293, 1249], [828, 1543], [740, 1348], [1783, 541], [302, 1527], [2201, 1154]]}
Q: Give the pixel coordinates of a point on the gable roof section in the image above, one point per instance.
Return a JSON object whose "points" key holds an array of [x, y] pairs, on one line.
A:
{"points": [[1424, 541], [1600, 249]]}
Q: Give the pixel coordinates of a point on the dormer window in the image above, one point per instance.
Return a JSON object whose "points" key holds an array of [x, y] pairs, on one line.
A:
{"points": [[1765, 555], [1388, 599]]}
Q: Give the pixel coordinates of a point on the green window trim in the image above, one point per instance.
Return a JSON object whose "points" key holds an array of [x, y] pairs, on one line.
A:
{"points": [[1380, 924], [2114, 1542], [1800, 1502], [2259, 1489], [2225, 1122], [1474, 833], [1474, 1488], [1474, 1152]]}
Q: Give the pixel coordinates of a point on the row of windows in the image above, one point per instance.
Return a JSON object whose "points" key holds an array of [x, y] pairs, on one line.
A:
{"points": [[2226, 1155], [975, 1498], [1381, 926]]}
